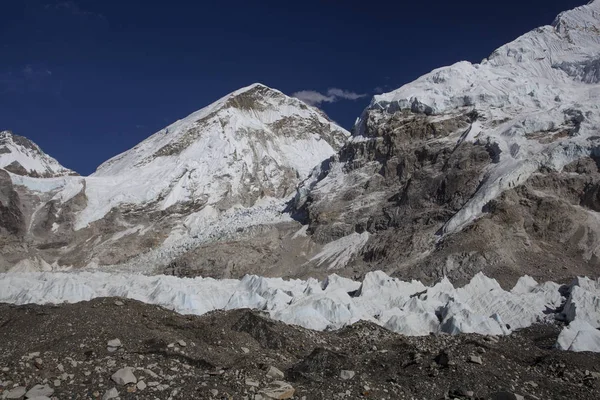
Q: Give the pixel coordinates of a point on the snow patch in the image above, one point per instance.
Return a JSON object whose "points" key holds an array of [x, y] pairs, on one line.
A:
{"points": [[338, 253]]}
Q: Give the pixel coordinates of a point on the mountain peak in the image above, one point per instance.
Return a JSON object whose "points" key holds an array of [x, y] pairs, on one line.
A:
{"points": [[251, 144], [21, 156]]}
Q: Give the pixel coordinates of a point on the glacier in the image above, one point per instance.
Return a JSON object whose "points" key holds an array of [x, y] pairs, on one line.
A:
{"points": [[408, 308]]}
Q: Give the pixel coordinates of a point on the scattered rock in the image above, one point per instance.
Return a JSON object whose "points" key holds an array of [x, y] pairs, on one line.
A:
{"points": [[16, 393], [39, 390], [115, 343], [442, 359], [182, 343], [253, 383], [111, 394], [278, 390], [476, 360], [214, 392], [347, 375], [275, 373], [119, 303], [124, 376], [141, 385], [245, 350]]}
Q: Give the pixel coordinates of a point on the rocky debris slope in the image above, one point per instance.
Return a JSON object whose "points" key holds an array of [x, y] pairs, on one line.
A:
{"points": [[489, 166], [21, 156], [233, 162], [410, 308], [72, 351]]}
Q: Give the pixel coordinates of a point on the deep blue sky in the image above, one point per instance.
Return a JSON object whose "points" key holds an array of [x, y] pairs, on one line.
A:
{"points": [[88, 79]]}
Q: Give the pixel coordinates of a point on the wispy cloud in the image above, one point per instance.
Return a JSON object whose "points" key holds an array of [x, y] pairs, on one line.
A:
{"points": [[29, 78], [332, 95], [73, 8]]}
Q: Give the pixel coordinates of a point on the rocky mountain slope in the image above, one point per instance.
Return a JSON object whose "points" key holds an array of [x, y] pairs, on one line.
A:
{"points": [[490, 166], [114, 347]]}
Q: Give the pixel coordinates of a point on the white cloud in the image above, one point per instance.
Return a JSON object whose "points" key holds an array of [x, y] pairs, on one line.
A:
{"points": [[29, 78], [73, 8], [315, 98], [344, 94]]}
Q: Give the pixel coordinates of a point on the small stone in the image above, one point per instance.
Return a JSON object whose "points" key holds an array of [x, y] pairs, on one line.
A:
{"points": [[278, 390], [245, 350], [16, 393], [532, 384], [476, 360], [119, 303], [40, 390], [151, 373], [61, 367], [31, 356], [462, 392], [141, 385], [442, 359], [250, 382], [214, 392], [124, 376], [56, 382], [111, 394], [5, 369], [115, 343], [347, 375], [275, 373], [182, 343]]}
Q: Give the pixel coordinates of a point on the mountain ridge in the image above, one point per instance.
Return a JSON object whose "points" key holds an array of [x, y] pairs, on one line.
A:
{"points": [[487, 167]]}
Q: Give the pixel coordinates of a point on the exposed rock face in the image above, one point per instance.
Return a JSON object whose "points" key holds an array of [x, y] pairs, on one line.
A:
{"points": [[475, 167], [410, 174]]}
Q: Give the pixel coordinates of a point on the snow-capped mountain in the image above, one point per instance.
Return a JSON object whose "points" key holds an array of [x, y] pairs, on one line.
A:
{"points": [[253, 143], [21, 156], [228, 166], [489, 166], [537, 99]]}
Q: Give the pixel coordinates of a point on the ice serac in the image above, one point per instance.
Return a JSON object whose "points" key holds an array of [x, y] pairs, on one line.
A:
{"points": [[21, 156], [490, 166], [409, 308]]}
